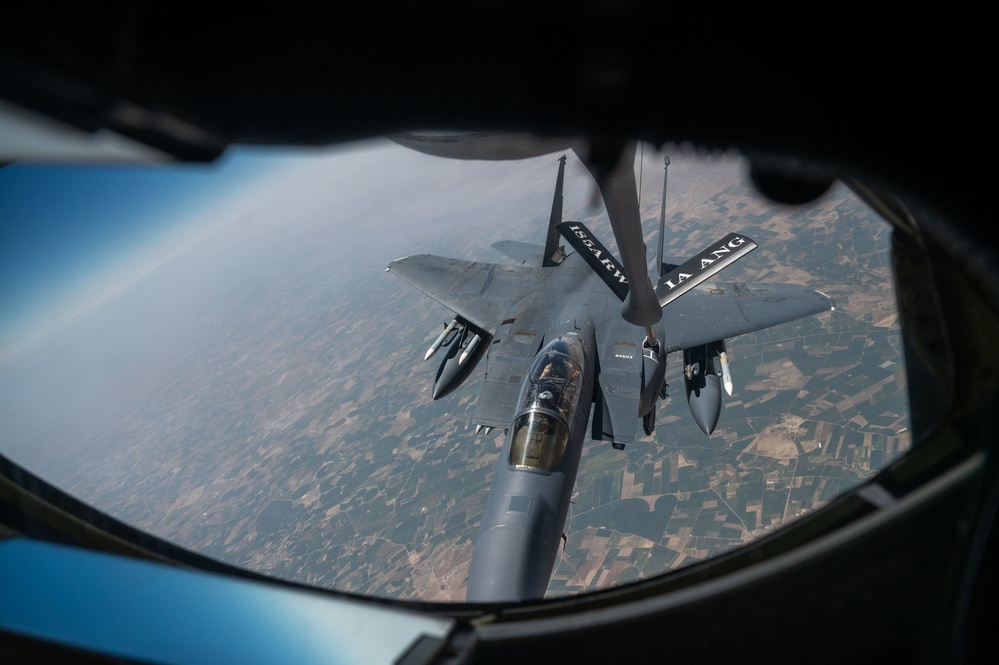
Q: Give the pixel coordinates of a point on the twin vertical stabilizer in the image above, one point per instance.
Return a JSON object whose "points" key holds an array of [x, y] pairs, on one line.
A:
{"points": [[554, 252]]}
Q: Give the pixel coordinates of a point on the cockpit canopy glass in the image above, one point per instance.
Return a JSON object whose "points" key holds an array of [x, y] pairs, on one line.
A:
{"points": [[539, 441], [550, 397], [554, 378]]}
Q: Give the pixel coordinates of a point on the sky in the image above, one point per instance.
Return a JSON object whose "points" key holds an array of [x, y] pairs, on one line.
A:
{"points": [[61, 224], [105, 281], [70, 232]]}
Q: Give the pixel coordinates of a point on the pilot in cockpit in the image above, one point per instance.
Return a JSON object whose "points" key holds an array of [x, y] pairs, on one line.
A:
{"points": [[554, 379], [559, 369]]}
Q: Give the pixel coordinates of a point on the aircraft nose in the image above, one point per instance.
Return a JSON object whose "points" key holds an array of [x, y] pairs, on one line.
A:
{"points": [[509, 564]]}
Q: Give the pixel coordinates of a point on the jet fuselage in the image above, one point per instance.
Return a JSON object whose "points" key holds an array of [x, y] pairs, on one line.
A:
{"points": [[522, 526], [565, 311]]}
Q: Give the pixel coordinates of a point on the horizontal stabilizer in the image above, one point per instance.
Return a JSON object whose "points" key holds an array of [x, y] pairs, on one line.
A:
{"points": [[692, 272], [596, 256]]}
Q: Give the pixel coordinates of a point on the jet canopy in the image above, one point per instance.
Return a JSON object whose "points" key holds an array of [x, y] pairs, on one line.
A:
{"points": [[548, 403]]}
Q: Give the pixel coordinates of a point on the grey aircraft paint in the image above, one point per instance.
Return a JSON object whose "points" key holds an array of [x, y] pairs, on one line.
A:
{"points": [[552, 306]]}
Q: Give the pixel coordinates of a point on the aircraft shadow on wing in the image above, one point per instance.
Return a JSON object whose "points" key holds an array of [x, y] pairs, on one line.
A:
{"points": [[557, 347]]}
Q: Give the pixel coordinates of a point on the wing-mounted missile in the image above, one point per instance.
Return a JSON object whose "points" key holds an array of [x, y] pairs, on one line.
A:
{"points": [[701, 368], [465, 346], [726, 372], [449, 329]]}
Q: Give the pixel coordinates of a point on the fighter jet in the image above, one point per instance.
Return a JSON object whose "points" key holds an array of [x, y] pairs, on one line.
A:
{"points": [[557, 348]]}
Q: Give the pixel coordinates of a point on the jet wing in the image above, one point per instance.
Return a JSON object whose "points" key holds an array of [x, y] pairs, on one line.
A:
{"points": [[723, 310], [510, 358], [478, 292]]}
